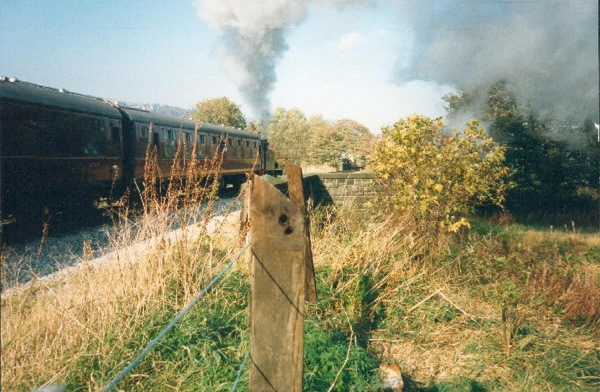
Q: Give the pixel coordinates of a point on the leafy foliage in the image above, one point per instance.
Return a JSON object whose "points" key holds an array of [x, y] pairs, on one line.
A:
{"points": [[219, 111], [357, 141], [288, 134], [316, 140], [343, 139], [554, 161], [327, 143], [436, 176]]}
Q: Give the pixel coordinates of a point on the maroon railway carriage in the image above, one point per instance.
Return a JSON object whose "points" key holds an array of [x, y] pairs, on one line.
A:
{"points": [[61, 150], [57, 149], [243, 151]]}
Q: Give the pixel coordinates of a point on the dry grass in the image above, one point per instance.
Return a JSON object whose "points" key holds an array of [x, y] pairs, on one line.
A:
{"points": [[580, 241], [504, 308], [548, 285], [575, 289], [50, 324]]}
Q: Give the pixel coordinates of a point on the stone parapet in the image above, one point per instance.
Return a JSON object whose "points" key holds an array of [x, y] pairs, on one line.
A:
{"points": [[343, 187]]}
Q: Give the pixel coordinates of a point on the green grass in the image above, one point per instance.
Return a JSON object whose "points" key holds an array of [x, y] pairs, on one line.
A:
{"points": [[202, 352], [358, 324], [493, 267], [205, 350]]}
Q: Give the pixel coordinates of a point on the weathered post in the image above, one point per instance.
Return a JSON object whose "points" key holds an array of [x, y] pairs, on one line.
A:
{"points": [[296, 193], [277, 290]]}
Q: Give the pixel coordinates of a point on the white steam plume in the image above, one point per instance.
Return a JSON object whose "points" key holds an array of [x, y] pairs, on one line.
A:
{"points": [[547, 50], [253, 41]]}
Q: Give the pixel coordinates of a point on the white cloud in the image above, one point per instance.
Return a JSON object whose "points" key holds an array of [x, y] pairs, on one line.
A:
{"points": [[351, 40]]}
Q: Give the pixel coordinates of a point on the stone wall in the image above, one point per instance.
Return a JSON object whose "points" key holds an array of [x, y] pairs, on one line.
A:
{"points": [[343, 187]]}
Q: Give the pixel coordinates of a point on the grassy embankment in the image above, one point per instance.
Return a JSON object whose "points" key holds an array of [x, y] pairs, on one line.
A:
{"points": [[500, 307]]}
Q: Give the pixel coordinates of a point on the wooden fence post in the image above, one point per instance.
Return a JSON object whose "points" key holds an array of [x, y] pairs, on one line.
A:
{"points": [[296, 193], [277, 290]]}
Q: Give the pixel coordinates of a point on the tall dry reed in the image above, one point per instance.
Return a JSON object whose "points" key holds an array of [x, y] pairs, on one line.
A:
{"points": [[162, 254]]}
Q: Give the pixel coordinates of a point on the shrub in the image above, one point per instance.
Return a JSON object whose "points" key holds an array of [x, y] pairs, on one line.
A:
{"points": [[436, 175]]}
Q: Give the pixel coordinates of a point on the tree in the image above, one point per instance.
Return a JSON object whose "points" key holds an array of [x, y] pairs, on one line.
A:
{"points": [[219, 111], [326, 146], [358, 140], [553, 161], [436, 176], [289, 135], [299, 140], [334, 142]]}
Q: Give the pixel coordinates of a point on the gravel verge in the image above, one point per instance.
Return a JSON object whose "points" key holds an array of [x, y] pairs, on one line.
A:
{"points": [[38, 257]]}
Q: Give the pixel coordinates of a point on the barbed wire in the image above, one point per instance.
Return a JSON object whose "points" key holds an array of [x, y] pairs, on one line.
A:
{"points": [[119, 377]]}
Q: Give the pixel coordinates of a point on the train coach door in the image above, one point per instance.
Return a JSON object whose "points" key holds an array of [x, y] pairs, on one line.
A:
{"points": [[120, 151], [128, 149], [264, 146]]}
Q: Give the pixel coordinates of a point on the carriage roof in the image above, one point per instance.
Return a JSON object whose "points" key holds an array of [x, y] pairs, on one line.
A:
{"points": [[33, 94], [163, 120]]}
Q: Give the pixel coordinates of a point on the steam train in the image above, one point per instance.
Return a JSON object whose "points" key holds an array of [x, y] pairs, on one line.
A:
{"points": [[60, 149]]}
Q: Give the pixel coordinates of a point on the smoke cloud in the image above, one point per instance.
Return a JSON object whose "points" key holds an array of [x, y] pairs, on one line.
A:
{"points": [[253, 41], [546, 50]]}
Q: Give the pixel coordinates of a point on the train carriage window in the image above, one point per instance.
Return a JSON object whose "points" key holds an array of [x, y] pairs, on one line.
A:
{"points": [[247, 143], [116, 137], [143, 131], [230, 141], [222, 145], [22, 129], [156, 140], [201, 146], [214, 140], [57, 135], [188, 138], [170, 148], [91, 133], [239, 149]]}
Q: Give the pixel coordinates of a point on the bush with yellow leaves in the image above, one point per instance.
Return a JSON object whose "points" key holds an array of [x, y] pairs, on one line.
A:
{"points": [[436, 175]]}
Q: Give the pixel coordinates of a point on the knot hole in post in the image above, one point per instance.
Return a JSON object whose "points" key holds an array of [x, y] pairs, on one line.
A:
{"points": [[284, 221], [283, 218]]}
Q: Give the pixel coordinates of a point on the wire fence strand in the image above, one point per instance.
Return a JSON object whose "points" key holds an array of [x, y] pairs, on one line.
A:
{"points": [[239, 372], [119, 377]]}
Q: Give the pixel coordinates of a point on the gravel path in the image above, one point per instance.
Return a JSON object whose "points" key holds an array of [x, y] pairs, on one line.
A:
{"points": [[23, 260]]}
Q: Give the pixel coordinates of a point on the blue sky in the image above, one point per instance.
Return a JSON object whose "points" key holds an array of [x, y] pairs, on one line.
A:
{"points": [[372, 63], [339, 63]]}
